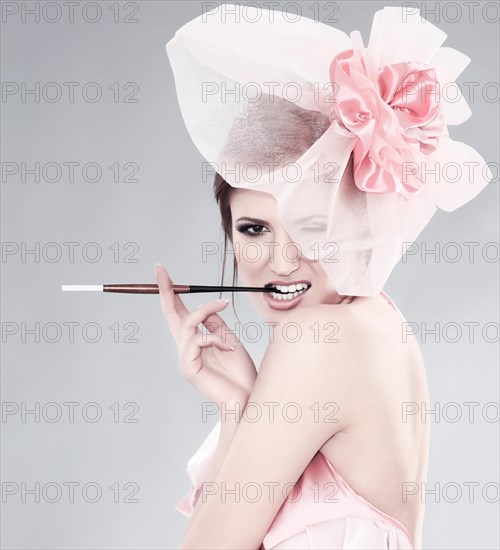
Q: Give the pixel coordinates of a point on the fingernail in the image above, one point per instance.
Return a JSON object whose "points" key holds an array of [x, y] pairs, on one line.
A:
{"points": [[232, 349]]}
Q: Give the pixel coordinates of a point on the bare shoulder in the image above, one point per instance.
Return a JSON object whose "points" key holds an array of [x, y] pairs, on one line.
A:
{"points": [[329, 339], [361, 340], [370, 320]]}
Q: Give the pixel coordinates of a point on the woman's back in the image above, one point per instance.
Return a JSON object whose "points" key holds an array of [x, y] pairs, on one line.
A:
{"points": [[383, 452]]}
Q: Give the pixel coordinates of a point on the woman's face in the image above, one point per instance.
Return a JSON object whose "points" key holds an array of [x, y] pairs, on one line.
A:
{"points": [[266, 255]]}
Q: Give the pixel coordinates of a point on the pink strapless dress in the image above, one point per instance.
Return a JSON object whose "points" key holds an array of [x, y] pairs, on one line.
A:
{"points": [[327, 512]]}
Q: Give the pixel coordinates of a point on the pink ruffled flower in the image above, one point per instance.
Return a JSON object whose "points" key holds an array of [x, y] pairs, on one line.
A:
{"points": [[397, 117]]}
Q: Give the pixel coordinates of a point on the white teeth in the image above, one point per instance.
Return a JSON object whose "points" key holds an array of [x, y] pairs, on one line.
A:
{"points": [[288, 292], [288, 296], [291, 288]]}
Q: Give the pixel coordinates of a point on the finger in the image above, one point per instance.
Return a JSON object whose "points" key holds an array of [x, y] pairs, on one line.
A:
{"points": [[204, 340], [190, 323], [192, 349], [173, 308], [216, 325]]}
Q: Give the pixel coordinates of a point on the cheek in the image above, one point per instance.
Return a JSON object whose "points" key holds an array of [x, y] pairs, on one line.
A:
{"points": [[251, 255]]}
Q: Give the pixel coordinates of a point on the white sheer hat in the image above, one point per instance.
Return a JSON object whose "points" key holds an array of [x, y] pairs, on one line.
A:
{"points": [[352, 141]]}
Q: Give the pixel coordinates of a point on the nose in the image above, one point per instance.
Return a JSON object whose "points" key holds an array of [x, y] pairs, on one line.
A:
{"points": [[284, 258]]}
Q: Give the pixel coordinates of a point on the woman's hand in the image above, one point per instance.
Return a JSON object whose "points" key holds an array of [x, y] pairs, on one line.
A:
{"points": [[221, 374]]}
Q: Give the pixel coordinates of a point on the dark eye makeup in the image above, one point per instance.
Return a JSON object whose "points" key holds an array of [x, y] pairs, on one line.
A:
{"points": [[251, 229]]}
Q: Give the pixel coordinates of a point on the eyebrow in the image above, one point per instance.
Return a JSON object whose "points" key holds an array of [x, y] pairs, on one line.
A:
{"points": [[300, 220], [254, 220]]}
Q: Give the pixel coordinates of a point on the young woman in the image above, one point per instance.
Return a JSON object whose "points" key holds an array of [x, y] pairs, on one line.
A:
{"points": [[340, 392], [327, 451]]}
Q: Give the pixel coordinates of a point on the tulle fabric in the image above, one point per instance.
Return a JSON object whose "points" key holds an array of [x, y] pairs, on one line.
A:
{"points": [[254, 90], [331, 517]]}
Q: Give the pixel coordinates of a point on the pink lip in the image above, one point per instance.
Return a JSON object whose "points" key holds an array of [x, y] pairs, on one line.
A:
{"points": [[284, 304]]}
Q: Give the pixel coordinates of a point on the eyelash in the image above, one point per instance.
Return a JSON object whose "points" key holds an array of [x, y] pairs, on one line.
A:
{"points": [[243, 228]]}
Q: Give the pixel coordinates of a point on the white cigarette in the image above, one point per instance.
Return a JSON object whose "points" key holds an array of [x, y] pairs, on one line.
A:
{"points": [[82, 288]]}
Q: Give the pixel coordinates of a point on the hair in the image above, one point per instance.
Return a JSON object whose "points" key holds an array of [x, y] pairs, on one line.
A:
{"points": [[271, 129], [222, 194]]}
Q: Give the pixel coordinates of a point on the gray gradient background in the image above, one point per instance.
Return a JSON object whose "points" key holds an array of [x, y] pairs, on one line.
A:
{"points": [[169, 213]]}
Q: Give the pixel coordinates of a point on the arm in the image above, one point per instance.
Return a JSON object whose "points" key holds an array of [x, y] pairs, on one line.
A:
{"points": [[266, 457]]}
